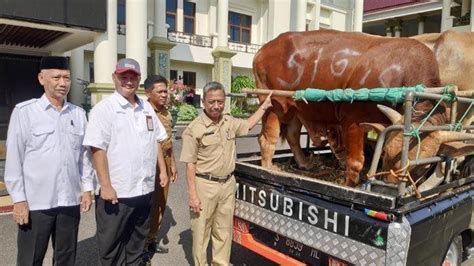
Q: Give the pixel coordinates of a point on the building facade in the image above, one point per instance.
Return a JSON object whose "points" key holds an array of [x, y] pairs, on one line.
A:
{"points": [[201, 40]]}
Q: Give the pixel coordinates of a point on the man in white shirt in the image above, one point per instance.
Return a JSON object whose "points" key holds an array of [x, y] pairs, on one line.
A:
{"points": [[124, 135], [44, 168]]}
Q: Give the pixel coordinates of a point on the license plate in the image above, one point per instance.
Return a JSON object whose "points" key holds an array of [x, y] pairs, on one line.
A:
{"points": [[295, 249]]}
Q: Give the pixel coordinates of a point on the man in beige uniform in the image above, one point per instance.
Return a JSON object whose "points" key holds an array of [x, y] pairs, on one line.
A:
{"points": [[156, 89], [209, 152]]}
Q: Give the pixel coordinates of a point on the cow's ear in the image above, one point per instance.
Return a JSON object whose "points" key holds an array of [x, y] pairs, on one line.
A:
{"points": [[377, 127], [456, 149]]}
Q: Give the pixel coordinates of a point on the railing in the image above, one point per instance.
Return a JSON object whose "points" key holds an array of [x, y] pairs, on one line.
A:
{"points": [[121, 29], [462, 21], [244, 47], [192, 39]]}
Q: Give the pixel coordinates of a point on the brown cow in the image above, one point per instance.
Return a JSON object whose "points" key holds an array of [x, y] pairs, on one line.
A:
{"points": [[454, 53], [329, 59]]}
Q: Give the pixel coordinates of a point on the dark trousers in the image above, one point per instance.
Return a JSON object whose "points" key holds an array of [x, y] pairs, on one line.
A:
{"points": [[61, 224], [122, 229]]}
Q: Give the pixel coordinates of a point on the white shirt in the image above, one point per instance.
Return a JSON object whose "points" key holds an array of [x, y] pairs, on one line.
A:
{"points": [[44, 163], [129, 134]]}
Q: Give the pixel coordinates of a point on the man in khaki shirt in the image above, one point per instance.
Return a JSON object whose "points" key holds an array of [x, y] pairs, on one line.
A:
{"points": [[156, 89], [209, 153]]}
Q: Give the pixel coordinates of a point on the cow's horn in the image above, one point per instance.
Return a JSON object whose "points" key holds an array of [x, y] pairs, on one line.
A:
{"points": [[449, 136], [393, 115]]}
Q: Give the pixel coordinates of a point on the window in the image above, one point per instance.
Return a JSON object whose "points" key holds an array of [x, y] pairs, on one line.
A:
{"points": [[189, 16], [173, 74], [121, 17], [121, 14], [240, 27], [171, 7], [91, 72], [189, 79]]}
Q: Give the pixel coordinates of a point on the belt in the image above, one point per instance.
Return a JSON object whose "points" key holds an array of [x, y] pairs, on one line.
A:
{"points": [[220, 179]]}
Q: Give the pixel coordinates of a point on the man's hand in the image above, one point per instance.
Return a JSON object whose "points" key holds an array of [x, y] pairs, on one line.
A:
{"points": [[21, 213], [194, 203], [108, 193], [268, 102], [174, 173], [163, 179], [86, 201]]}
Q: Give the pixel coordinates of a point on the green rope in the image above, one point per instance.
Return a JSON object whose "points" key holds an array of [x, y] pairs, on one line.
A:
{"points": [[459, 123], [392, 95], [416, 131]]}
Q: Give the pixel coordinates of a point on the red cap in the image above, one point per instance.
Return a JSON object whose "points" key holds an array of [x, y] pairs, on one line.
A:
{"points": [[127, 64]]}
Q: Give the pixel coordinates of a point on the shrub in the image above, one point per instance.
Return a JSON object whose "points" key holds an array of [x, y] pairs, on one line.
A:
{"points": [[187, 112], [240, 106]]}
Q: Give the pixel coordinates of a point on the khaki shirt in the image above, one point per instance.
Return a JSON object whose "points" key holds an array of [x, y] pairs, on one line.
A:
{"points": [[212, 145], [165, 118]]}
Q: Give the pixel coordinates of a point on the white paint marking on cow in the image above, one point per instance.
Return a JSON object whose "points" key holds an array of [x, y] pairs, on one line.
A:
{"points": [[394, 67], [341, 64], [364, 78], [299, 69], [316, 62]]}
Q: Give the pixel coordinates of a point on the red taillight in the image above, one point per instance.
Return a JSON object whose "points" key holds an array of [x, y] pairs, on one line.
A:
{"points": [[336, 262]]}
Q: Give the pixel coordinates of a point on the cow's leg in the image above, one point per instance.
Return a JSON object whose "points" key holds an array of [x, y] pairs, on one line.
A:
{"points": [[336, 143], [268, 137], [354, 139], [293, 138]]}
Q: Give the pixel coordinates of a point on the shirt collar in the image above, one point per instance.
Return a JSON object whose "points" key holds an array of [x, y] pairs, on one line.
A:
{"points": [[207, 121], [155, 108], [45, 103], [124, 102]]}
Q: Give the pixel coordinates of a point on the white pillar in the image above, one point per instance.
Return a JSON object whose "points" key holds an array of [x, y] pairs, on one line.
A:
{"points": [[421, 25], [398, 31], [317, 14], [212, 17], [180, 16], [472, 16], [358, 15], [136, 37], [160, 19], [300, 15], [464, 7], [388, 31], [105, 52], [445, 14], [222, 21], [76, 96]]}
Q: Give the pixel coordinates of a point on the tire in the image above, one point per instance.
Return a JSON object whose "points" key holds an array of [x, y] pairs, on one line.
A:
{"points": [[453, 256]]}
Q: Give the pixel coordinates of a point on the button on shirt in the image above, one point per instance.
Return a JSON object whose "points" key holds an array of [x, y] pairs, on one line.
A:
{"points": [[44, 162], [212, 145], [129, 134]]}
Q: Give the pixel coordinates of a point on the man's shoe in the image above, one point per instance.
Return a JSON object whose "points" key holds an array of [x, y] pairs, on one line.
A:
{"points": [[161, 249]]}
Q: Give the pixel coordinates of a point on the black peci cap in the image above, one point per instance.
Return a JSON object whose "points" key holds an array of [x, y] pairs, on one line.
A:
{"points": [[54, 62]]}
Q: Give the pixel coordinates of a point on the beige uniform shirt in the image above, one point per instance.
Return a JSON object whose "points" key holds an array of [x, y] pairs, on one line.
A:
{"points": [[212, 145], [165, 118]]}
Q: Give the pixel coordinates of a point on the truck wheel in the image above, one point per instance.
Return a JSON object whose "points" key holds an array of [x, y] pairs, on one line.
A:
{"points": [[454, 255]]}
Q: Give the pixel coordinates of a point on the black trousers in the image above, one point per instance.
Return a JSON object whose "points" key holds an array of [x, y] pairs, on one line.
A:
{"points": [[61, 224], [122, 229]]}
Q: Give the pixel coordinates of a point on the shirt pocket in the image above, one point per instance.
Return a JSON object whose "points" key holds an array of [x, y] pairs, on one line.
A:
{"points": [[42, 137], [76, 136], [210, 140], [230, 135]]}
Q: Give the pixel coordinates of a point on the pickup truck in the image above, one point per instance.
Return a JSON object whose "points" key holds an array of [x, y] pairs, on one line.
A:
{"points": [[292, 218]]}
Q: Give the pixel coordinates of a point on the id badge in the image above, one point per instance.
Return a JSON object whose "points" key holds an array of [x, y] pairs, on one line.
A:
{"points": [[149, 123]]}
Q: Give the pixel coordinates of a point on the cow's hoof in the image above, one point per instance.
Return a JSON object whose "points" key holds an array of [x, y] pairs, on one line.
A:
{"points": [[351, 183]]}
